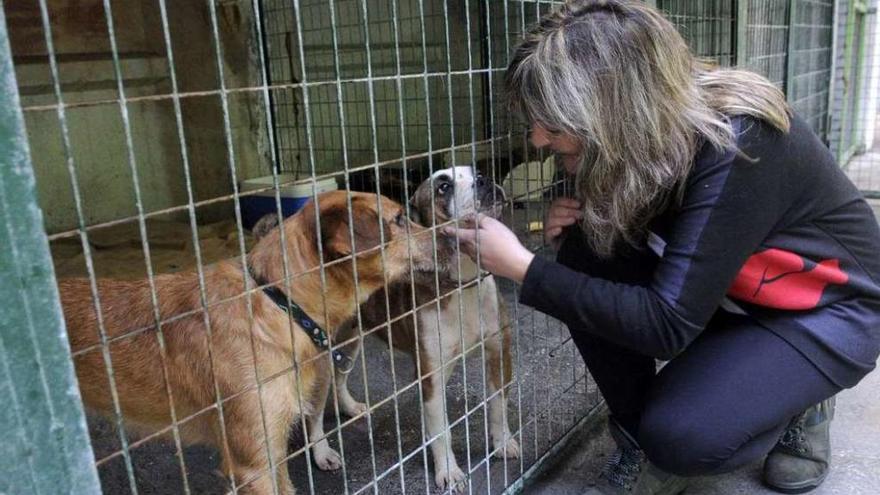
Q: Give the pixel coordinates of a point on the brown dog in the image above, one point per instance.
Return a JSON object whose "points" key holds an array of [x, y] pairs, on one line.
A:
{"points": [[239, 354]]}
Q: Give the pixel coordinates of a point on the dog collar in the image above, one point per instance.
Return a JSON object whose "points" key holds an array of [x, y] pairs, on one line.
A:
{"points": [[342, 362]]}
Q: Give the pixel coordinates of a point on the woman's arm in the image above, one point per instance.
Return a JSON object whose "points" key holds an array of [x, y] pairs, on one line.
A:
{"points": [[729, 208]]}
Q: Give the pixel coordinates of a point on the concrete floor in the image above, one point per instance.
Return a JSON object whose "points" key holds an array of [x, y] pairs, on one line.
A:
{"points": [[855, 436], [864, 170]]}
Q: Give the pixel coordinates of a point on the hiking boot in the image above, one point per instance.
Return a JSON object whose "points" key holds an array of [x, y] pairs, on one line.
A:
{"points": [[628, 472], [801, 459]]}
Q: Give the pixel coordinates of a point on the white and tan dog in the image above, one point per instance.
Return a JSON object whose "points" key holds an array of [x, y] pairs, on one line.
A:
{"points": [[457, 320]]}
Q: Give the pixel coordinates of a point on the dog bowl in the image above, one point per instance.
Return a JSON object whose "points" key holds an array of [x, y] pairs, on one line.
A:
{"points": [[293, 193]]}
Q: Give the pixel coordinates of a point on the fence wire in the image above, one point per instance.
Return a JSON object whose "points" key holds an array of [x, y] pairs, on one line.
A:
{"points": [[708, 27], [147, 122], [853, 123]]}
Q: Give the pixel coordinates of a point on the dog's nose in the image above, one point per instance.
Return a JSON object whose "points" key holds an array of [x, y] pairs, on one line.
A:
{"points": [[484, 184], [487, 188], [481, 180]]}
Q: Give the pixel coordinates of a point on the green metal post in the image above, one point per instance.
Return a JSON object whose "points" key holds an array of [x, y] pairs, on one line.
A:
{"points": [[860, 13], [791, 52], [45, 447], [853, 53], [847, 83], [742, 32]]}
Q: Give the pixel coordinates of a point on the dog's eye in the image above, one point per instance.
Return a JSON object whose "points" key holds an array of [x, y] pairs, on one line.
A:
{"points": [[400, 220], [443, 188]]}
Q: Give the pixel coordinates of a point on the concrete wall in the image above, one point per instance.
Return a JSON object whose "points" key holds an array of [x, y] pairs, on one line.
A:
{"points": [[450, 111], [96, 131], [449, 123]]}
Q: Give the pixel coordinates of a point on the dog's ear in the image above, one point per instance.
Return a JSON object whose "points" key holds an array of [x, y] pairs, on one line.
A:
{"points": [[264, 225], [336, 233], [414, 214], [422, 196]]}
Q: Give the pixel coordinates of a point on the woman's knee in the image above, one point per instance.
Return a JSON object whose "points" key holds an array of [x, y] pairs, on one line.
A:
{"points": [[680, 446]]}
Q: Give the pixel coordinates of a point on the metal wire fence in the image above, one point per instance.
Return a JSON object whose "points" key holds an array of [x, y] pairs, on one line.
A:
{"points": [[332, 90], [708, 27], [147, 122], [853, 119]]}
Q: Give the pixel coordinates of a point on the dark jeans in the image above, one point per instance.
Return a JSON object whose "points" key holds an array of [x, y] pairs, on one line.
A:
{"points": [[722, 403]]}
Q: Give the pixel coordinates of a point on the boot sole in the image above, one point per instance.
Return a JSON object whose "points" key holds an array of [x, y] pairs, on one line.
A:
{"points": [[799, 487]]}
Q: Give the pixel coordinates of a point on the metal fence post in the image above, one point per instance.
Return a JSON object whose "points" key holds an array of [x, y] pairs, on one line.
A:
{"points": [[45, 447], [789, 57], [742, 32]]}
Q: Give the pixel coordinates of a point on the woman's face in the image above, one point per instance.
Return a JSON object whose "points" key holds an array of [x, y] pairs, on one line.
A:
{"points": [[565, 146]]}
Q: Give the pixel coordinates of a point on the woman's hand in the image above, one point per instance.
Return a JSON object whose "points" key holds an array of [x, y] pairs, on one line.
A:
{"points": [[501, 253], [563, 212]]}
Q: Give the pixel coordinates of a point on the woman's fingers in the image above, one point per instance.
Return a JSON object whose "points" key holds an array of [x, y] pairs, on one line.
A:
{"points": [[477, 220], [464, 235], [552, 233], [566, 203], [560, 216], [562, 221], [466, 238], [565, 207], [487, 222], [563, 211]]}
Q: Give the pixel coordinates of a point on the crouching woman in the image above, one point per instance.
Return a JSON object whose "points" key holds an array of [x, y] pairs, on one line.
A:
{"points": [[710, 227]]}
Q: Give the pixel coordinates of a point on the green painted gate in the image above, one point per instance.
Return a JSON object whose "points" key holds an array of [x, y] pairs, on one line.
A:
{"points": [[45, 447]]}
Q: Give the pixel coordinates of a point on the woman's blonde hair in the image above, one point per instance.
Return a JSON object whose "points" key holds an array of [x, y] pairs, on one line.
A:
{"points": [[617, 75]]}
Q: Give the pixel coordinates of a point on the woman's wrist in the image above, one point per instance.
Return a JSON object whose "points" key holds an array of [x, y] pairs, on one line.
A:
{"points": [[520, 265]]}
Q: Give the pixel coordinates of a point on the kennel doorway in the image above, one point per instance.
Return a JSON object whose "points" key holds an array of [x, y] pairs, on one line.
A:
{"points": [[132, 124]]}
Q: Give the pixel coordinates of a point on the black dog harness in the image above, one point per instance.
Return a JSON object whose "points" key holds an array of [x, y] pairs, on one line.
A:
{"points": [[341, 362]]}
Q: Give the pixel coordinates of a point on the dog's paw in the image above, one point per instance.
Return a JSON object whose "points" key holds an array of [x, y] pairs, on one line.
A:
{"points": [[507, 450], [354, 409], [453, 480], [327, 459]]}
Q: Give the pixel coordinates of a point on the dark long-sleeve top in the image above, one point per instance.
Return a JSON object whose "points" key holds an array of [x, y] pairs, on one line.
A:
{"points": [[787, 239]]}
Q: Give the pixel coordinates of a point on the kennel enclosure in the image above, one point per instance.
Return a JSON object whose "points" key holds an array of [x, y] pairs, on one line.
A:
{"points": [[129, 126]]}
